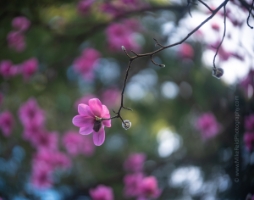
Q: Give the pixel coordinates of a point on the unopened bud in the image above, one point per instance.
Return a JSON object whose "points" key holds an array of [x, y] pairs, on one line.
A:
{"points": [[162, 65], [123, 48], [126, 124], [217, 73]]}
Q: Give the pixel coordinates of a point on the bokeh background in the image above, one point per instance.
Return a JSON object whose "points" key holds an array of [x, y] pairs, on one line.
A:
{"points": [[191, 132]]}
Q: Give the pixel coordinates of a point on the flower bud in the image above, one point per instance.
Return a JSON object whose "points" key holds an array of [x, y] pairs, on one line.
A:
{"points": [[217, 73], [123, 48], [162, 65], [126, 124]]}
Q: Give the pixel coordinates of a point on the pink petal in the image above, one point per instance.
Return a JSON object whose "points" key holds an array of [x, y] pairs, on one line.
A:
{"points": [[105, 114], [95, 106], [84, 110], [99, 137], [82, 121], [86, 130]]}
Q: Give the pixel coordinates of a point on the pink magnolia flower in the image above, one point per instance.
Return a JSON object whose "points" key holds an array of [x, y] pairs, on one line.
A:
{"points": [[186, 51], [84, 6], [85, 63], [207, 125], [7, 69], [149, 188], [20, 23], [16, 41], [135, 162], [90, 120], [29, 67], [102, 192], [75, 144], [119, 35], [132, 184], [111, 97], [249, 140], [6, 123], [30, 112], [249, 123]]}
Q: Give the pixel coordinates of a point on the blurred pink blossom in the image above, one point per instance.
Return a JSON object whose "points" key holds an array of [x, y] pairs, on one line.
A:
{"points": [[249, 123], [111, 9], [111, 97], [248, 81], [207, 125], [132, 2], [32, 131], [83, 100], [76, 144], [29, 67], [50, 160], [45, 140], [249, 140], [84, 6], [85, 63], [215, 26], [20, 23], [186, 51], [102, 192], [223, 54], [7, 69], [42, 177], [119, 35], [89, 120], [6, 123], [149, 188], [132, 24], [30, 112], [61, 160], [132, 184], [135, 162], [16, 41]]}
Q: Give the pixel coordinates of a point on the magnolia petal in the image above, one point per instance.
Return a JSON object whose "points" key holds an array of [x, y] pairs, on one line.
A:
{"points": [[99, 137], [84, 110], [86, 130], [95, 106], [105, 114], [82, 121]]}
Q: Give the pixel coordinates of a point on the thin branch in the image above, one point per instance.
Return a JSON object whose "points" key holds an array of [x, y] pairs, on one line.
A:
{"points": [[224, 33], [206, 5], [249, 15], [151, 54]]}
